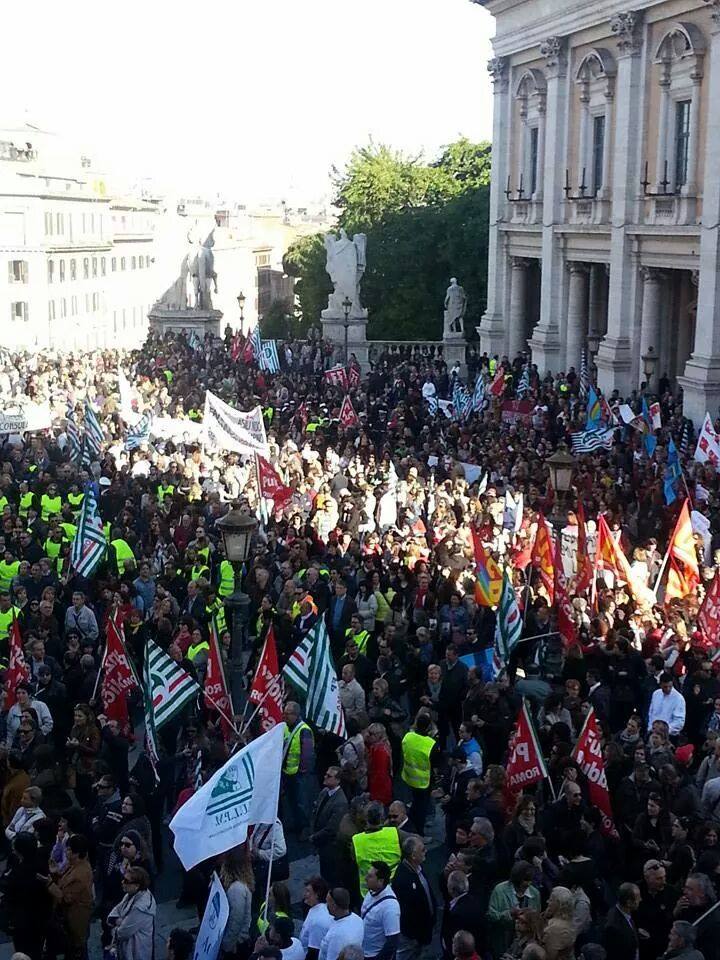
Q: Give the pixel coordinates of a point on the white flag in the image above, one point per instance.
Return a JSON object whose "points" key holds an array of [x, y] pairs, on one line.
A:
{"points": [[708, 444], [243, 792], [127, 395], [213, 924], [225, 428]]}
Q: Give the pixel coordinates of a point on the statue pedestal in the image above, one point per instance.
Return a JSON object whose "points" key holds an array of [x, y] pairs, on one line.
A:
{"points": [[163, 320], [454, 346], [333, 328]]}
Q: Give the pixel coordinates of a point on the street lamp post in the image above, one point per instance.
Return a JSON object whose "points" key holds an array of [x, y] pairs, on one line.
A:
{"points": [[593, 343], [237, 528], [346, 304], [649, 360], [241, 304], [561, 465]]}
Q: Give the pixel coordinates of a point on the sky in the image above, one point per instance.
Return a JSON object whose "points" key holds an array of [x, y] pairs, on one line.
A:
{"points": [[249, 99]]}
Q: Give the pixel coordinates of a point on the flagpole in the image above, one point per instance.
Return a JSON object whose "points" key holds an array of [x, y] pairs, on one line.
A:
{"points": [[247, 723], [270, 863], [221, 712], [665, 560]]}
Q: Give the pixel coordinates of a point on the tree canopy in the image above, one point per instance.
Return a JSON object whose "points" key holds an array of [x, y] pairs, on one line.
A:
{"points": [[425, 222]]}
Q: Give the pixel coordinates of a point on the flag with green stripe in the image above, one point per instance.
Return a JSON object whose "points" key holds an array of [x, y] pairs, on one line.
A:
{"points": [[508, 628], [169, 687], [311, 673]]}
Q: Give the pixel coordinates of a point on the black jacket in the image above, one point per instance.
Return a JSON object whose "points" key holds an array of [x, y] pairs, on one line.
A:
{"points": [[417, 912], [620, 938]]}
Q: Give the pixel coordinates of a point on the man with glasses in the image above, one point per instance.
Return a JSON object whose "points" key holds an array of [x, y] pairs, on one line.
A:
{"points": [[654, 916]]}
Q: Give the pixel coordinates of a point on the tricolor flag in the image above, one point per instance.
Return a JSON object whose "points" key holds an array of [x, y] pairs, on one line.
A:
{"points": [[73, 436], [171, 688], [89, 544], [508, 625], [268, 359], [489, 579], [478, 398], [461, 401], [92, 446], [526, 764], [311, 673]]}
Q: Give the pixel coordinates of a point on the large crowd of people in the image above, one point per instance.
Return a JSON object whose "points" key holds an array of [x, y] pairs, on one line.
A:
{"points": [[376, 541]]}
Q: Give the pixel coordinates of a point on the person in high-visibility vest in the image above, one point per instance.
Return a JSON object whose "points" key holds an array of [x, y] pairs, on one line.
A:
{"points": [[215, 610], [7, 614], [27, 499], [419, 750], [75, 498], [9, 566], [298, 768], [226, 584], [375, 842], [357, 633], [50, 503], [123, 552]]}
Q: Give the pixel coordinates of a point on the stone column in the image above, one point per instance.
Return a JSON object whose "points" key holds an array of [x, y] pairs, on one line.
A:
{"points": [[492, 325], [577, 315], [583, 139], [701, 383], [540, 152], [614, 356], [545, 342], [604, 191], [597, 310], [690, 188], [518, 307], [654, 289], [663, 120]]}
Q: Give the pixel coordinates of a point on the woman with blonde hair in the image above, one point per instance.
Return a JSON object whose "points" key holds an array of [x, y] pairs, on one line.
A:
{"points": [[236, 876], [559, 935], [528, 929]]}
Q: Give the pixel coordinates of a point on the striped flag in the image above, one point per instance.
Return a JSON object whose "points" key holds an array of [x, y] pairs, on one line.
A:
{"points": [[523, 386], [310, 672], [171, 688], [255, 345], [508, 625], [93, 436], [478, 398], [461, 401], [151, 746], [686, 438], [89, 545], [584, 376], [268, 359], [586, 441], [139, 434], [194, 341], [73, 435]]}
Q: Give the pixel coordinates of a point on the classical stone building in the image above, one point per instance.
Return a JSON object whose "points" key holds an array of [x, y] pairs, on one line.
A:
{"points": [[605, 198]]}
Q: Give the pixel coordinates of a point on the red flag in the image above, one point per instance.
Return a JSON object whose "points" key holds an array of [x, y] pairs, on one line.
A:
{"points": [[526, 764], [353, 377], [217, 695], [303, 414], [497, 387], [235, 347], [709, 616], [585, 569], [337, 377], [609, 554], [542, 557], [684, 575], [271, 486], [267, 686], [118, 677], [348, 417], [588, 754], [18, 670], [563, 604]]}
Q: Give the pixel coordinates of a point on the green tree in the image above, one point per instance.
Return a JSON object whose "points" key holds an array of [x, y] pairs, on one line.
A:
{"points": [[275, 324], [305, 260]]}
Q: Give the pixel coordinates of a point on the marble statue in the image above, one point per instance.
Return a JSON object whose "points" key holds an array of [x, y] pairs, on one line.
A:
{"points": [[202, 270], [455, 306], [176, 295], [345, 266]]}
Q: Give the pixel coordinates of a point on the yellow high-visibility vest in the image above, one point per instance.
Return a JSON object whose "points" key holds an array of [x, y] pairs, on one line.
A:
{"points": [[382, 844], [416, 750], [227, 579], [291, 764], [50, 506]]}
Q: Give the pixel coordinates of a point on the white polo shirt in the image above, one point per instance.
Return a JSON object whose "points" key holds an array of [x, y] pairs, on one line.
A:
{"points": [[317, 923], [381, 919], [345, 932]]}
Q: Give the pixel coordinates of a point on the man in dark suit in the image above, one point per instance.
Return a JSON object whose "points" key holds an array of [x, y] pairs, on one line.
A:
{"points": [[463, 911], [620, 936], [416, 899], [329, 810], [337, 617]]}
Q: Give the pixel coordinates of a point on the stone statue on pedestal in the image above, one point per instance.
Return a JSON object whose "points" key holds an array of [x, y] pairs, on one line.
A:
{"points": [[455, 307], [345, 266], [202, 271]]}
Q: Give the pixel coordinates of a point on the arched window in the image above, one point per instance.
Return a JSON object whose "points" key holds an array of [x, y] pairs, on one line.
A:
{"points": [[595, 81], [530, 93], [679, 60]]}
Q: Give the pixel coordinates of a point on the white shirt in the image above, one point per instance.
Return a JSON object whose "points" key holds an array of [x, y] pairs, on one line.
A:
{"points": [[381, 919], [45, 720], [296, 951], [670, 708], [317, 923], [345, 932]]}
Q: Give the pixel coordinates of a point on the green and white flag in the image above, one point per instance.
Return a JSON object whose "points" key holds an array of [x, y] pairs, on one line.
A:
{"points": [[310, 672], [168, 687], [508, 626]]}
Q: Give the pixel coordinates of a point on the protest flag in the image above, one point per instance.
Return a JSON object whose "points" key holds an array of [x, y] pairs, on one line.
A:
{"points": [[311, 673], [508, 624], [337, 377], [212, 929], [266, 692], [118, 676], [18, 669], [243, 792], [585, 567], [708, 618], [89, 544], [171, 687], [563, 605], [610, 555], [216, 690], [588, 755], [542, 557], [270, 484], [489, 579], [526, 764], [353, 376], [348, 417], [684, 574]]}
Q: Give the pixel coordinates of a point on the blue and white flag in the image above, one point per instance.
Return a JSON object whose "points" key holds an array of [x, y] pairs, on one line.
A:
{"points": [[256, 344], [89, 545], [139, 434], [587, 441], [478, 398], [241, 793], [673, 472], [524, 383], [73, 435], [432, 403], [584, 376], [92, 445], [686, 438], [194, 341], [461, 401], [268, 359], [214, 921]]}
